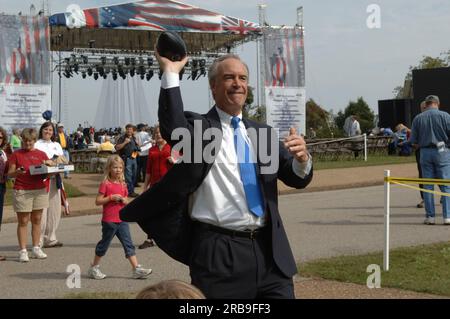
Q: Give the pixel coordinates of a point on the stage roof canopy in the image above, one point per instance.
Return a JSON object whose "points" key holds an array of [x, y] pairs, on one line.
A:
{"points": [[135, 26]]}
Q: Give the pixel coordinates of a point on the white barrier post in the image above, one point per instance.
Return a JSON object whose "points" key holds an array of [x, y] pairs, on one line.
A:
{"points": [[387, 199], [365, 147]]}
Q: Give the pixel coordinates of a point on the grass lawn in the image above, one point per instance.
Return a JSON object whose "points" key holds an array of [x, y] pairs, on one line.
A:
{"points": [[372, 160], [101, 295], [422, 269], [71, 191]]}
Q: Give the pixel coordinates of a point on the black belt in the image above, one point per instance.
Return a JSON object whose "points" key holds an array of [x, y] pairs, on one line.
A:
{"points": [[250, 234]]}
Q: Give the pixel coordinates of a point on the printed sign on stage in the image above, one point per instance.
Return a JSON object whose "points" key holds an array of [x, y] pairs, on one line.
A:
{"points": [[22, 105], [285, 109]]}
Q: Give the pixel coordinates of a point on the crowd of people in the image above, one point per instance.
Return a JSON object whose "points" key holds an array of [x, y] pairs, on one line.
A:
{"points": [[38, 198]]}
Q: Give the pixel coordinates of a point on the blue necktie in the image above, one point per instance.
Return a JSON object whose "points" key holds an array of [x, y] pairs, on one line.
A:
{"points": [[247, 169]]}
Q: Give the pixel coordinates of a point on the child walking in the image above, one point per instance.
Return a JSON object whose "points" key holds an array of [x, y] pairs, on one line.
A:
{"points": [[113, 195]]}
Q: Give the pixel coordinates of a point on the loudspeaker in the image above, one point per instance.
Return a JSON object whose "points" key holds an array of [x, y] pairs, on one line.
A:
{"points": [[393, 112], [431, 82]]}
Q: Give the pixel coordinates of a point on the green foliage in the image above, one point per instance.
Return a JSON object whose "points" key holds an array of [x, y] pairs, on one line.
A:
{"points": [[363, 112], [320, 120], [253, 112], [427, 62]]}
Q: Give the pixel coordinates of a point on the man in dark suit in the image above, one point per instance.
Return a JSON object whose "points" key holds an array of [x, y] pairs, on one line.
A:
{"points": [[219, 214]]}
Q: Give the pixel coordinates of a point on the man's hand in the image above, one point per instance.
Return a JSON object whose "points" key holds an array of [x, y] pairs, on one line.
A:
{"points": [[296, 145], [170, 66]]}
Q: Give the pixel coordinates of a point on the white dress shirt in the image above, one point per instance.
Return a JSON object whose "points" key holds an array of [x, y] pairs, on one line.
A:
{"points": [[220, 199], [48, 147]]}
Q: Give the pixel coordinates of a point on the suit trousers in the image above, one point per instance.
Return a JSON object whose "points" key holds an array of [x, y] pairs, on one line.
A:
{"points": [[225, 266]]}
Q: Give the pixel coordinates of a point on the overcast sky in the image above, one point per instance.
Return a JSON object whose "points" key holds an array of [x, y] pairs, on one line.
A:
{"points": [[344, 58]]}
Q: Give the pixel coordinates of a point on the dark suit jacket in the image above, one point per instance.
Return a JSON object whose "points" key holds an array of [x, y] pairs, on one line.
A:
{"points": [[162, 211]]}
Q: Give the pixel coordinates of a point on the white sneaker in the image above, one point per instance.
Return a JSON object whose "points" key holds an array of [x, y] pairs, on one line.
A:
{"points": [[37, 253], [429, 221], [446, 221], [95, 273], [23, 256], [141, 273]]}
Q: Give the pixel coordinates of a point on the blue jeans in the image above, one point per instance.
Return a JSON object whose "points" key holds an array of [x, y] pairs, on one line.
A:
{"points": [[2, 199], [122, 231], [435, 164], [67, 156], [130, 174]]}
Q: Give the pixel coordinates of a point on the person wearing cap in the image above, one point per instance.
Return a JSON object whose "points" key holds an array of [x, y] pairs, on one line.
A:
{"points": [[64, 140], [430, 132]]}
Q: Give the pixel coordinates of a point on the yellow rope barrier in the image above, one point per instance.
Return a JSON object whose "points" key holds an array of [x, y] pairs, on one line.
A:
{"points": [[422, 189], [428, 181]]}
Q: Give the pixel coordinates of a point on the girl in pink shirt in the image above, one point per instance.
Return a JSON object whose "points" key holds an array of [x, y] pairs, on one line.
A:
{"points": [[112, 195]]}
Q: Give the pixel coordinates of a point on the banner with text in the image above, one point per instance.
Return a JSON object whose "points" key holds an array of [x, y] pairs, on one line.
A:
{"points": [[286, 109], [22, 105], [24, 50], [284, 81]]}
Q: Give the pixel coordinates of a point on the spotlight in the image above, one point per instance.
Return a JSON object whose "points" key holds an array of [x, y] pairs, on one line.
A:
{"points": [[101, 71], [75, 68], [96, 76], [105, 76], [114, 75], [202, 63], [116, 60], [149, 75], [127, 61], [141, 70], [121, 73], [194, 74], [103, 59], [150, 61], [142, 76], [141, 60], [85, 59], [133, 61], [83, 75], [132, 72], [89, 71]]}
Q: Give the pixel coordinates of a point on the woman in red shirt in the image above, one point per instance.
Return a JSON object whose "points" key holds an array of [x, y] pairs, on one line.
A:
{"points": [[30, 193], [159, 161]]}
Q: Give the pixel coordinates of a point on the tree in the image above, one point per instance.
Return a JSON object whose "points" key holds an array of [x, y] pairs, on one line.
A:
{"points": [[320, 120], [253, 112], [363, 112], [427, 62]]}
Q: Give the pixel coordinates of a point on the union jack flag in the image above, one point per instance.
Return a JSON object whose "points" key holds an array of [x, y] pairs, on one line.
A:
{"points": [[24, 50], [157, 15]]}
